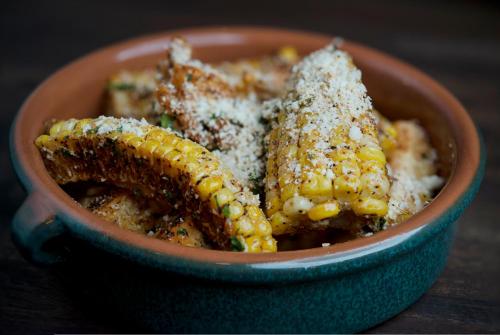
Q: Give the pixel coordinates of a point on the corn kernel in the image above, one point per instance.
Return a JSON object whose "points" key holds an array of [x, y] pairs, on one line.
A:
{"points": [[220, 198], [279, 223], [317, 185], [296, 206], [346, 187], [157, 135], [56, 128], [289, 54], [244, 226], [208, 186], [147, 148], [289, 191], [273, 204], [269, 244], [235, 210], [42, 140], [371, 154], [253, 244], [185, 146], [370, 206], [324, 211], [263, 227]]}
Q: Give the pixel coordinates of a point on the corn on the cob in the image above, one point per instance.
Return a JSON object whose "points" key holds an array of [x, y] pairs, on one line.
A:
{"points": [[324, 155], [157, 163]]}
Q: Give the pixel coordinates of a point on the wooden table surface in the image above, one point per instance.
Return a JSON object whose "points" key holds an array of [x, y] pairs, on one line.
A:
{"points": [[456, 43]]}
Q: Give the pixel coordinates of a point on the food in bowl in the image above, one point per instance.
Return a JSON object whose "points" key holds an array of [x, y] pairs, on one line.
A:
{"points": [[239, 154]]}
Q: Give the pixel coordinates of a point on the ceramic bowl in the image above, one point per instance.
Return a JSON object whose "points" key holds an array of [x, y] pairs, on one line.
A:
{"points": [[346, 287]]}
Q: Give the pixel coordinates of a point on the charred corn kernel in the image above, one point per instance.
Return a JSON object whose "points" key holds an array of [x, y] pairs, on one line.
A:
{"points": [[220, 198], [147, 148], [124, 154], [324, 141], [254, 244], [134, 142], [289, 191], [289, 54], [370, 206], [209, 185], [234, 210], [296, 206], [244, 226], [324, 211], [371, 154], [317, 185], [268, 244]]}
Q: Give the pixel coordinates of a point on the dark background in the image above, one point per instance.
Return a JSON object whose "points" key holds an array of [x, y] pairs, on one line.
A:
{"points": [[458, 43]]}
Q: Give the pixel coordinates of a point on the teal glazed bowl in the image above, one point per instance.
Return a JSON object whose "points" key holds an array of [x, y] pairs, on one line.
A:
{"points": [[346, 287]]}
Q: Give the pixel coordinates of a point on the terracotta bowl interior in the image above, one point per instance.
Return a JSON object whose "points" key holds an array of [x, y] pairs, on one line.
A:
{"points": [[399, 91]]}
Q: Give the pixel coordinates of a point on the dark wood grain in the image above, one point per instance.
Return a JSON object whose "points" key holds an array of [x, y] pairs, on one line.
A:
{"points": [[457, 43]]}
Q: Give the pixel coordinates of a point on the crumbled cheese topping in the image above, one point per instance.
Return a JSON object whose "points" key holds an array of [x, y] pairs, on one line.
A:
{"points": [[412, 167], [325, 95], [228, 123]]}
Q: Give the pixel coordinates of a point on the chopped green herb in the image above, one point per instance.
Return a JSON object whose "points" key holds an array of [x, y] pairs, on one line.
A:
{"points": [[226, 211], [189, 77], [93, 131], [120, 129], [66, 153], [236, 244], [381, 223], [169, 195], [182, 232], [166, 121], [121, 86], [213, 116], [217, 201]]}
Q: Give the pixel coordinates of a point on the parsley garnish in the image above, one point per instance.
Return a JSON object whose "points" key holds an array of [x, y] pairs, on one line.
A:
{"points": [[189, 77], [166, 121], [120, 129], [169, 195], [182, 232], [226, 211], [236, 244], [121, 86]]}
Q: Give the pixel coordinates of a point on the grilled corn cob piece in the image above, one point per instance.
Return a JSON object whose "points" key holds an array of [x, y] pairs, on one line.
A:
{"points": [[208, 109], [414, 173], [137, 214], [157, 163], [324, 155], [131, 94]]}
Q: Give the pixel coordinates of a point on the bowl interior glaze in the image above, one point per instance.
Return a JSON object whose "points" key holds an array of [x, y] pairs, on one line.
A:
{"points": [[398, 90]]}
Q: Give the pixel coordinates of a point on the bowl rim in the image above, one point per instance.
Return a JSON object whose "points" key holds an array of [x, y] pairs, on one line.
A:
{"points": [[451, 200]]}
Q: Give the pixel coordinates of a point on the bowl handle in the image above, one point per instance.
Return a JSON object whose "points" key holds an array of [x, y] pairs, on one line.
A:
{"points": [[36, 231]]}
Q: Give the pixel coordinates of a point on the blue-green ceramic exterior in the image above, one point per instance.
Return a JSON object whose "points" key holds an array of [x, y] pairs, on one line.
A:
{"points": [[342, 292]]}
